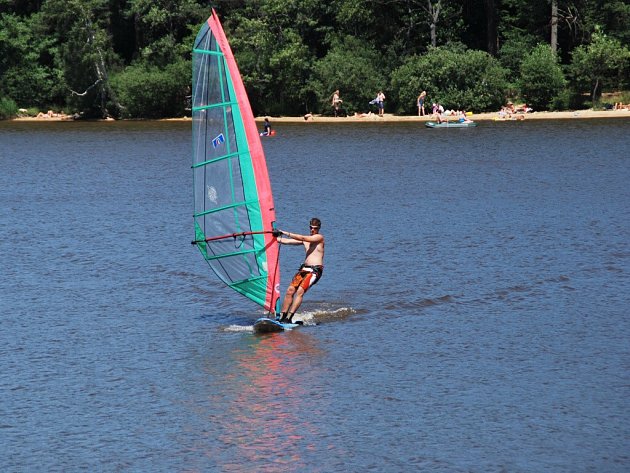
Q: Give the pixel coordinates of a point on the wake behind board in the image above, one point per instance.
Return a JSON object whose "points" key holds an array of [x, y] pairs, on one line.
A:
{"points": [[267, 325]]}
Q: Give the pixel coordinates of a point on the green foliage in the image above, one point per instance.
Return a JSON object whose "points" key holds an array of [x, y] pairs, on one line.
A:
{"points": [[290, 67], [162, 25], [352, 67], [519, 17], [541, 79], [515, 47], [25, 77], [84, 53], [251, 43], [277, 67], [602, 64], [293, 53], [150, 92], [612, 16], [8, 108], [456, 78]]}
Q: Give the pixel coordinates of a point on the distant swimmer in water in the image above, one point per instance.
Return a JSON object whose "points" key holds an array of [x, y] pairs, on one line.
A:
{"points": [[309, 273], [267, 131]]}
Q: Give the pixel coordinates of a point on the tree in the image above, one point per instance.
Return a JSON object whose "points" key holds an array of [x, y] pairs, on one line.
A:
{"points": [[352, 67], [602, 63], [433, 9], [275, 67], [516, 45], [541, 78], [84, 52], [491, 26], [151, 91], [612, 16], [554, 26], [8, 108], [458, 78], [27, 76], [160, 26], [66, 53]]}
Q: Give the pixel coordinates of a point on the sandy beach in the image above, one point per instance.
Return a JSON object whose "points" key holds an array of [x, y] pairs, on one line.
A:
{"points": [[391, 118]]}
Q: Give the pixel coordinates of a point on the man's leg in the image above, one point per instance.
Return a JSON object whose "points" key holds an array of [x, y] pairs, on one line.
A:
{"points": [[286, 303], [297, 301]]}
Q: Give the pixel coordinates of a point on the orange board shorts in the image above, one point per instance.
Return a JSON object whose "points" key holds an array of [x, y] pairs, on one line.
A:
{"points": [[307, 276]]}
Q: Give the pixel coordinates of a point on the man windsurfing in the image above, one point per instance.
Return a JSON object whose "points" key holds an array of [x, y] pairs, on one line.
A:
{"points": [[309, 273]]}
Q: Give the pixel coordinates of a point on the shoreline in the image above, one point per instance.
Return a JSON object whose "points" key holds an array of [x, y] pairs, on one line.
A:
{"points": [[490, 116], [387, 118]]}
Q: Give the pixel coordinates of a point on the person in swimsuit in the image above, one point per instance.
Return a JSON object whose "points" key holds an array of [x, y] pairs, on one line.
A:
{"points": [[336, 102], [266, 128], [309, 273], [421, 98]]}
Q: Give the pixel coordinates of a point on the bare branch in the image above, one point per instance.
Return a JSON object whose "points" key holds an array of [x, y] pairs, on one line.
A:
{"points": [[81, 94]]}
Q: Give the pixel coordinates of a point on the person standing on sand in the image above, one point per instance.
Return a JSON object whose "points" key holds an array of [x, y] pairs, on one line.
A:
{"points": [[421, 99], [380, 102], [336, 101], [309, 273]]}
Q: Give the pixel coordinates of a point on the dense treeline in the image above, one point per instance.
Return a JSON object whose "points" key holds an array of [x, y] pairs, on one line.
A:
{"points": [[131, 58]]}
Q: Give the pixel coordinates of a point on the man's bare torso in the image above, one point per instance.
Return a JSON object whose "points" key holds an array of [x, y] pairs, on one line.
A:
{"points": [[314, 253]]}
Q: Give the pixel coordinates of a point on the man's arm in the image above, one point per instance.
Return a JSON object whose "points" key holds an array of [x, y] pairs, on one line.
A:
{"points": [[297, 239]]}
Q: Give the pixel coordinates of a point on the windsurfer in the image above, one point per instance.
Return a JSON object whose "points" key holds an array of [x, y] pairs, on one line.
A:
{"points": [[309, 273]]}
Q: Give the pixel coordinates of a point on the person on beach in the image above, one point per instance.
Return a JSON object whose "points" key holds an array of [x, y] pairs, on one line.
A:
{"points": [[463, 118], [438, 110], [309, 273], [421, 99], [336, 102], [380, 103]]}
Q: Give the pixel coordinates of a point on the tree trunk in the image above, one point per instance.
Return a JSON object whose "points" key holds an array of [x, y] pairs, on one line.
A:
{"points": [[492, 38], [101, 72], [434, 13], [595, 96], [554, 26]]}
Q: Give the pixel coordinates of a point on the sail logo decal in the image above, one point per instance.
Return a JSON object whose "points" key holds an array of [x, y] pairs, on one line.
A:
{"points": [[219, 140], [212, 195]]}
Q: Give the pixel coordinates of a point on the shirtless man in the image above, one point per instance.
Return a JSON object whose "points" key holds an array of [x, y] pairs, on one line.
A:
{"points": [[309, 273], [336, 101]]}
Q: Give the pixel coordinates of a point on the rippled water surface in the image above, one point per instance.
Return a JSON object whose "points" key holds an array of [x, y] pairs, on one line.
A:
{"points": [[473, 315]]}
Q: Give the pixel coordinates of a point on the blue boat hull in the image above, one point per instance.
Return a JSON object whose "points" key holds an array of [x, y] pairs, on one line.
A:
{"points": [[450, 125]]}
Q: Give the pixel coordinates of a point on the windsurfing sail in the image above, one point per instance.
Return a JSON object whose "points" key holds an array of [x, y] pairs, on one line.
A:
{"points": [[233, 205]]}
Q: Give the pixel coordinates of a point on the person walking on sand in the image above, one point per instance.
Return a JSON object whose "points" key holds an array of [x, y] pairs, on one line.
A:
{"points": [[309, 273], [421, 99], [336, 101]]}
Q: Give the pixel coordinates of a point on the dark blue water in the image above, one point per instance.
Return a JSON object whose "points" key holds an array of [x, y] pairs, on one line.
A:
{"points": [[473, 315]]}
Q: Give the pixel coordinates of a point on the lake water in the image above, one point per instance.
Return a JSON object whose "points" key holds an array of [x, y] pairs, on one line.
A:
{"points": [[473, 315]]}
